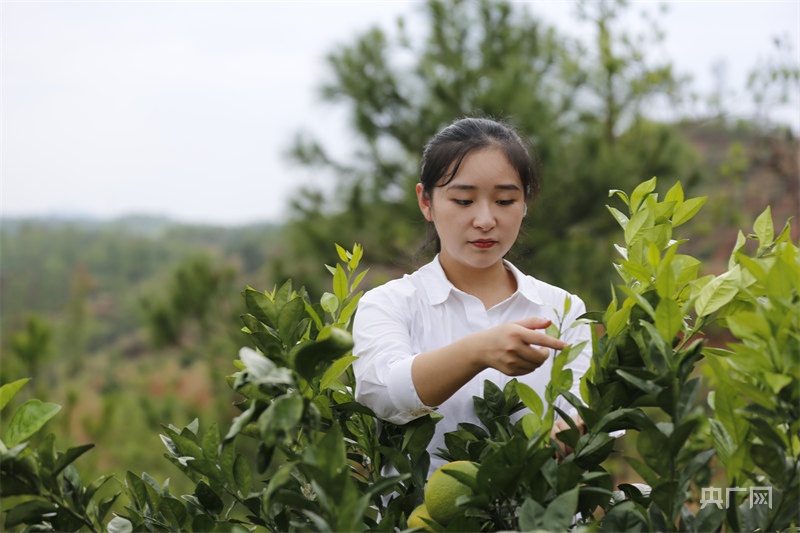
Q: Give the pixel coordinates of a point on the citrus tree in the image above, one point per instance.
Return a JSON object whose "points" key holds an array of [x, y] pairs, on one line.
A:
{"points": [[302, 454]]}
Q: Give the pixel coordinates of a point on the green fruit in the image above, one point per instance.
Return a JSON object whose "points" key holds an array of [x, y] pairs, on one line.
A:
{"points": [[418, 518], [443, 490]]}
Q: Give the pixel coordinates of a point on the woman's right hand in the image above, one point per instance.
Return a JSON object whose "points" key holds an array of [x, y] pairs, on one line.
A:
{"points": [[517, 348]]}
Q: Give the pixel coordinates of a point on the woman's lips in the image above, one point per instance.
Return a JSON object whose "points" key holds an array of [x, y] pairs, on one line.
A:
{"points": [[483, 243]]}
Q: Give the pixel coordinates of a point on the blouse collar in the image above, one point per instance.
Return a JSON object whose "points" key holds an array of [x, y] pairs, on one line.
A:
{"points": [[438, 287]]}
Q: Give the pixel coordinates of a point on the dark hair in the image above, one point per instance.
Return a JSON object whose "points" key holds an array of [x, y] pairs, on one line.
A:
{"points": [[444, 153]]}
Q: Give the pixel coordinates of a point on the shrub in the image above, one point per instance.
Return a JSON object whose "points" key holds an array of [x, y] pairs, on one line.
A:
{"points": [[319, 454]]}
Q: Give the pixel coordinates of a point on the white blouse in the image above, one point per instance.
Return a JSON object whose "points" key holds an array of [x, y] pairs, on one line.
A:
{"points": [[424, 311]]}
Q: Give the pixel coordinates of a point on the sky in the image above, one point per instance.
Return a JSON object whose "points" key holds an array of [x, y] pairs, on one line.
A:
{"points": [[185, 109]]}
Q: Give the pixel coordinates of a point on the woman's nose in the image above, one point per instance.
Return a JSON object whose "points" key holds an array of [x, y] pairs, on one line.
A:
{"points": [[484, 218]]}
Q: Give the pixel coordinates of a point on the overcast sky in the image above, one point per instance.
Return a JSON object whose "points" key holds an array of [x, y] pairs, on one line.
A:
{"points": [[185, 109]]}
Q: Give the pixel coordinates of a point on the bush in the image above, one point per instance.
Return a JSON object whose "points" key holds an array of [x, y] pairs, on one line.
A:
{"points": [[319, 458]]}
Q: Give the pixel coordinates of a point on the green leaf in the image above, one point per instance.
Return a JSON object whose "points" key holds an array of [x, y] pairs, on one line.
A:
{"points": [[754, 267], [771, 461], [357, 280], [290, 316], [621, 194], [560, 513], [686, 398], [242, 475], [281, 477], [209, 499], [723, 443], [261, 306], [675, 194], [335, 370], [331, 344], [136, 490], [531, 399], [621, 219], [31, 511], [349, 309], [310, 311], [531, 515], [210, 442], [329, 302], [735, 255], [28, 419], [641, 384], [647, 474], [119, 524], [531, 423], [618, 320], [669, 319], [687, 210], [9, 390], [69, 457], [638, 222], [765, 231], [715, 294], [340, 283], [175, 512], [641, 192], [328, 453], [653, 446], [625, 517], [282, 415], [342, 253], [227, 459]]}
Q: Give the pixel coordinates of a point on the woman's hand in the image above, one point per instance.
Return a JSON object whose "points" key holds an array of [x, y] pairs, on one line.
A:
{"points": [[517, 348]]}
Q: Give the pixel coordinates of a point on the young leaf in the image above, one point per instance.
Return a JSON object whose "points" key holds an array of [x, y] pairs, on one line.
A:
{"points": [[669, 319], [638, 222], [28, 419], [641, 192], [620, 217], [675, 194], [342, 253], [623, 196], [9, 390], [329, 302], [765, 231], [340, 283], [687, 210], [357, 280], [715, 294]]}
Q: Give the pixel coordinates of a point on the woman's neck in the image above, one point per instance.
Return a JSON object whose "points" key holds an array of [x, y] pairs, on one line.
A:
{"points": [[491, 285]]}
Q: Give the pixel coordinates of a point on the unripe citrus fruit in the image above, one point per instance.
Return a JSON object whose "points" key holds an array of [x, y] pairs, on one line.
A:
{"points": [[415, 519], [443, 490]]}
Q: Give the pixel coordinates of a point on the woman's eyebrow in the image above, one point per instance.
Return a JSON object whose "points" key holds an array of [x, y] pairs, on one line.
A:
{"points": [[465, 187]]}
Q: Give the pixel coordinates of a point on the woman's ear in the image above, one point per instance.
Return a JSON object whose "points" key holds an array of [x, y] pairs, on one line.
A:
{"points": [[424, 201]]}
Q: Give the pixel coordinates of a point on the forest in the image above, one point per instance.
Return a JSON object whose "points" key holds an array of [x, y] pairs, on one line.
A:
{"points": [[134, 323]]}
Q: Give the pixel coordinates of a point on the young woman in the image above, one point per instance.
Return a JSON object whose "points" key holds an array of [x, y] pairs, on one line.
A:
{"points": [[429, 340]]}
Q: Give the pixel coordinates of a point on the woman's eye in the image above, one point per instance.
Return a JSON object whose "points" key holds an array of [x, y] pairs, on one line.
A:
{"points": [[462, 202], [505, 202]]}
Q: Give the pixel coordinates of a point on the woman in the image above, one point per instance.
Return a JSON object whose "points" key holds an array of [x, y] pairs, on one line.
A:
{"points": [[429, 340]]}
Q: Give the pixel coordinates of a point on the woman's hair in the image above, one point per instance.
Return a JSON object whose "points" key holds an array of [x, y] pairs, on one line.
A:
{"points": [[444, 153]]}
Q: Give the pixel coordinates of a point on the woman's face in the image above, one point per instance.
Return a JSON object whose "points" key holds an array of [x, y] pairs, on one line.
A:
{"points": [[478, 214]]}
